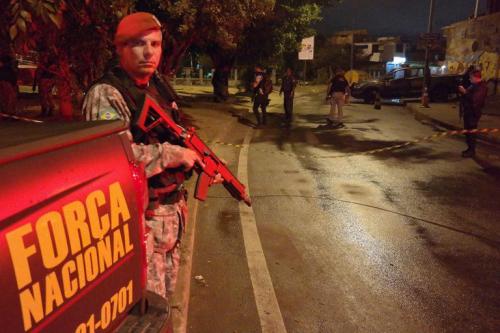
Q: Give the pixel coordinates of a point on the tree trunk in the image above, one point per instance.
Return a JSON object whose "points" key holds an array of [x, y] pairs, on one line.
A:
{"points": [[220, 81], [175, 51], [63, 85]]}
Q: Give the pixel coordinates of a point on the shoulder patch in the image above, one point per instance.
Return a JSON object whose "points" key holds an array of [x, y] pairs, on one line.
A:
{"points": [[109, 114]]}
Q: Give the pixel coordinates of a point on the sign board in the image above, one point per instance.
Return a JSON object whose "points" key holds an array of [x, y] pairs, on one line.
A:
{"points": [[430, 36], [307, 49]]}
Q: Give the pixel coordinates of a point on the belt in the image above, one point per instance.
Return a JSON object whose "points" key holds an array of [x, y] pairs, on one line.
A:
{"points": [[163, 197]]}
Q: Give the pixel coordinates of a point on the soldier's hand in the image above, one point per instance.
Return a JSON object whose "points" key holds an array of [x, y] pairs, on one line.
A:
{"points": [[189, 158], [218, 179]]}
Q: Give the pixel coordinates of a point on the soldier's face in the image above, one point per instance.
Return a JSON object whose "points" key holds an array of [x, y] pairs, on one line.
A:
{"points": [[140, 57]]}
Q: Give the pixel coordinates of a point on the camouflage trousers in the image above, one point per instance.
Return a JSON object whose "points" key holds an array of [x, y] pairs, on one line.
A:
{"points": [[166, 224]]}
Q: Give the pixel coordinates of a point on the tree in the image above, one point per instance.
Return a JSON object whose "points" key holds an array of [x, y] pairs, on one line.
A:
{"points": [[278, 35], [77, 35], [215, 26]]}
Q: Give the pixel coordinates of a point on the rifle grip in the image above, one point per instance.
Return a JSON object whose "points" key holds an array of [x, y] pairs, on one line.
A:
{"points": [[202, 184]]}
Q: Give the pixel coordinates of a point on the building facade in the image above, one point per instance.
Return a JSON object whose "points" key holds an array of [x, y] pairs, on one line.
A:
{"points": [[475, 42]]}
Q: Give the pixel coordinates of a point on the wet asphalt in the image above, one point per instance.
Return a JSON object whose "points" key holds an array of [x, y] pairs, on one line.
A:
{"points": [[401, 241]]}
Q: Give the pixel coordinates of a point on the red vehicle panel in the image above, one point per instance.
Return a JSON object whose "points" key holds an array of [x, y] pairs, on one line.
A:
{"points": [[71, 236]]}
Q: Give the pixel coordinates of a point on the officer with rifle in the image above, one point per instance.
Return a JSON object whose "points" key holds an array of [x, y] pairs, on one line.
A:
{"points": [[120, 94], [262, 86]]}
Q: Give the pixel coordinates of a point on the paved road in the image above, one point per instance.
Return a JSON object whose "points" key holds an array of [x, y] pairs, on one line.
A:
{"points": [[403, 241]]}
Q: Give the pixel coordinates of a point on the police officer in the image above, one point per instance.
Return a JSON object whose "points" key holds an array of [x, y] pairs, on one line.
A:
{"points": [[472, 100], [262, 86], [288, 84], [464, 82], [336, 92], [118, 95]]}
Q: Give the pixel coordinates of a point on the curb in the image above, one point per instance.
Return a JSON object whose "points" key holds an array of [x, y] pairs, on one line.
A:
{"points": [[421, 116]]}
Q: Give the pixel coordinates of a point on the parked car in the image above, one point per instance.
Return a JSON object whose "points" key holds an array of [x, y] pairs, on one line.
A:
{"points": [[407, 83]]}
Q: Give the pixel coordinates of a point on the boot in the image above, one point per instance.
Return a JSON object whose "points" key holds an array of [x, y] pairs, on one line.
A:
{"points": [[259, 121], [469, 153]]}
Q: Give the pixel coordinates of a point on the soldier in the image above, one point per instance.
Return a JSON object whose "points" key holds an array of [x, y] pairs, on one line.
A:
{"points": [[473, 99], [288, 84], [262, 87], [118, 95]]}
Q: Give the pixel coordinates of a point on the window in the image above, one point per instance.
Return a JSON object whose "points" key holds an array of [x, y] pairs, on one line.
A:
{"points": [[400, 74]]}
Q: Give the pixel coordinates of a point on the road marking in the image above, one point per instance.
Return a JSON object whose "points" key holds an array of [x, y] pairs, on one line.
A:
{"points": [[180, 299], [180, 306], [271, 320]]}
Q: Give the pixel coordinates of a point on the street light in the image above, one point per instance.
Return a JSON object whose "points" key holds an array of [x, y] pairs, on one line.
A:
{"points": [[427, 72]]}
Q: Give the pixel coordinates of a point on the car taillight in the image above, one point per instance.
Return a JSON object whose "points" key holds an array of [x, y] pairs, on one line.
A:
{"points": [[141, 185]]}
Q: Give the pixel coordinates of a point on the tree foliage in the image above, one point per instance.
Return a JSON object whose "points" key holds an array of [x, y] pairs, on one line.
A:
{"points": [[79, 34], [275, 37]]}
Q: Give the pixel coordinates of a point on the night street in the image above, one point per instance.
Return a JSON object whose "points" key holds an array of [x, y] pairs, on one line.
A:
{"points": [[230, 166], [401, 241]]}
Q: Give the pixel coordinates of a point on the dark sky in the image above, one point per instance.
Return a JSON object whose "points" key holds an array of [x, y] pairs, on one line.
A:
{"points": [[395, 17]]}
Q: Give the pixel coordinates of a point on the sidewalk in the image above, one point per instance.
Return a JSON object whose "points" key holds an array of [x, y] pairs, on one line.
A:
{"points": [[446, 115]]}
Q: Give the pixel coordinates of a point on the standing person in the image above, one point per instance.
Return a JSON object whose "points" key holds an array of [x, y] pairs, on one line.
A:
{"points": [[45, 77], [337, 89], [8, 85], [288, 84], [119, 95], [464, 82], [262, 86], [473, 99]]}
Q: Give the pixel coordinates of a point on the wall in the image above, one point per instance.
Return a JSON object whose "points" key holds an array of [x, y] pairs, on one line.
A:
{"points": [[475, 42]]}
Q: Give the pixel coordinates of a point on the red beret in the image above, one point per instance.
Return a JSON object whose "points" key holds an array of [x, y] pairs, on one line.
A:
{"points": [[134, 25]]}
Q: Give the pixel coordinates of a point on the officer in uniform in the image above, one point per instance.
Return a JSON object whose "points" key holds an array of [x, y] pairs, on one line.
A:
{"points": [[336, 92], [288, 84], [262, 87], [119, 94], [473, 99]]}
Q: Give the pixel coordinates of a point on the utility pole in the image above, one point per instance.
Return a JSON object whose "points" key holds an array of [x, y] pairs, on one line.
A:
{"points": [[427, 72], [352, 51]]}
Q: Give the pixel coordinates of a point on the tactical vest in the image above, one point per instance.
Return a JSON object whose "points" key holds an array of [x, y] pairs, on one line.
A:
{"points": [[164, 187]]}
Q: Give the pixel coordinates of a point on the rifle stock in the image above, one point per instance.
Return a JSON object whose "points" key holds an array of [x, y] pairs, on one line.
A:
{"points": [[152, 116]]}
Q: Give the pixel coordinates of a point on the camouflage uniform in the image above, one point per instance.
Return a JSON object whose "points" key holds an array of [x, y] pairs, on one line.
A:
{"points": [[165, 223]]}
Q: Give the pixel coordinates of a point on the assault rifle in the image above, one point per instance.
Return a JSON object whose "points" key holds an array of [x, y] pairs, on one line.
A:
{"points": [[153, 118]]}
